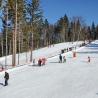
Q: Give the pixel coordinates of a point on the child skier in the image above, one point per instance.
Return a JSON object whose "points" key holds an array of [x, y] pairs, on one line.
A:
{"points": [[64, 59], [33, 61]]}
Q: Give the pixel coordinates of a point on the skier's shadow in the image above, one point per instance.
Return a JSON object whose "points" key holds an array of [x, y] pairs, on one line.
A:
{"points": [[84, 61], [36, 65], [96, 93], [54, 62], [2, 84]]}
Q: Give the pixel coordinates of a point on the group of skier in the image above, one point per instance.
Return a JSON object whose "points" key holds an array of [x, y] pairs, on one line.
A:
{"points": [[42, 61], [62, 59]]}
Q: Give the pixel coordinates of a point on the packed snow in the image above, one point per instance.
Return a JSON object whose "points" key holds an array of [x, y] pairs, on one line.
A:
{"points": [[24, 58], [76, 78]]}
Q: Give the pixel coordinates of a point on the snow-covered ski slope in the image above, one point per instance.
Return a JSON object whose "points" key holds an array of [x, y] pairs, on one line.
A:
{"points": [[24, 58], [76, 78]]}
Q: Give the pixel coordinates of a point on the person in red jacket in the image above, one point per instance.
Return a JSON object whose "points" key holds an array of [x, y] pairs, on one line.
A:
{"points": [[43, 61]]}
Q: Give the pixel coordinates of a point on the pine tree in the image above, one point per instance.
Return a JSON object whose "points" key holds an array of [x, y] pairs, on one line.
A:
{"points": [[46, 32], [97, 32], [35, 14], [89, 35], [93, 31], [66, 26], [63, 25]]}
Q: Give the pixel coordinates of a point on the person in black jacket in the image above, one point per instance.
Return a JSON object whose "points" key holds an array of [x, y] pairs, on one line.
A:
{"points": [[60, 58], [6, 77], [39, 62]]}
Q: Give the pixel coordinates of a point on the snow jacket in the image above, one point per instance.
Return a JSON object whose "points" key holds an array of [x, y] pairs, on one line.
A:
{"points": [[6, 76]]}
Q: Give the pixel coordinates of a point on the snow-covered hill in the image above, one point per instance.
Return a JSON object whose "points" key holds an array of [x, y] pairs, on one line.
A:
{"points": [[77, 78], [24, 58]]}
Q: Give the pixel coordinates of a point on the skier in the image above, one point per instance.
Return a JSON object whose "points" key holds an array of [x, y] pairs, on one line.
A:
{"points": [[6, 77], [67, 49], [89, 59], [64, 59], [60, 58], [74, 54], [33, 61], [1, 68], [39, 62], [43, 61]]}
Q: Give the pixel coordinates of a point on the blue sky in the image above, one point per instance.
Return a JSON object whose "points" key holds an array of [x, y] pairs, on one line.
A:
{"points": [[54, 9]]}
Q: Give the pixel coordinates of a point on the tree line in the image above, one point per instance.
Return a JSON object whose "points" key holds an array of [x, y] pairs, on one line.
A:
{"points": [[24, 28]]}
